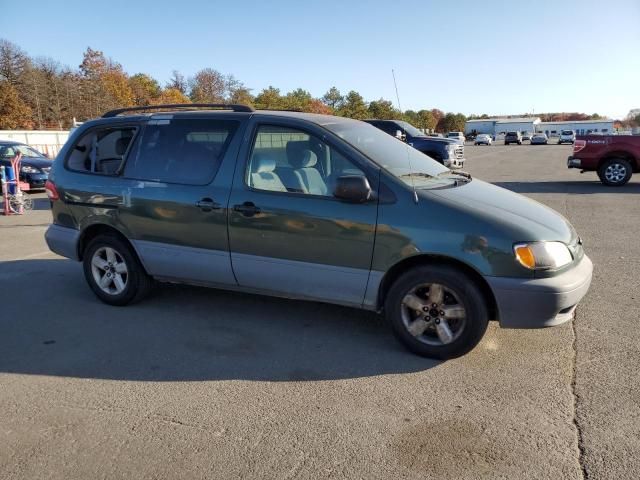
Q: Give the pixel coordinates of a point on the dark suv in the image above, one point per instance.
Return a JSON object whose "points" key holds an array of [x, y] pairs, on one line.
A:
{"points": [[312, 207], [449, 152], [513, 137]]}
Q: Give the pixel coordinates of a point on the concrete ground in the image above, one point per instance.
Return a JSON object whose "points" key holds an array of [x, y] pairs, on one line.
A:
{"points": [[197, 383]]}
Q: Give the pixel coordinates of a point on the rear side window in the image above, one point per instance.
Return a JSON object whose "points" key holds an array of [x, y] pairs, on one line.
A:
{"points": [[101, 151], [186, 151]]}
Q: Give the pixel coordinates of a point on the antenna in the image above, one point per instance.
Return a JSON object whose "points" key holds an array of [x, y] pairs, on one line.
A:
{"points": [[413, 185]]}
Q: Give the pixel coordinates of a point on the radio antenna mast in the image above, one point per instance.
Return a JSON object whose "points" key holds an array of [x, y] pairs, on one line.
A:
{"points": [[415, 194]]}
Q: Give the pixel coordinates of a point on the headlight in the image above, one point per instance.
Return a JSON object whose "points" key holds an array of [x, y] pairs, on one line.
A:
{"points": [[29, 169], [542, 255], [451, 150]]}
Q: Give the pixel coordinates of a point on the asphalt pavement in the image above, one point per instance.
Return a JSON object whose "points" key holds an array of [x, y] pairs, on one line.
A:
{"points": [[199, 383]]}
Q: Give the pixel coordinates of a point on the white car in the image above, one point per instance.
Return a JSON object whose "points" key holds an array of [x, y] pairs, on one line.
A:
{"points": [[483, 139], [457, 136], [567, 136]]}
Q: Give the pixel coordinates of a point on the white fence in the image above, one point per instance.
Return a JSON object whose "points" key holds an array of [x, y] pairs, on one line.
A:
{"points": [[48, 142]]}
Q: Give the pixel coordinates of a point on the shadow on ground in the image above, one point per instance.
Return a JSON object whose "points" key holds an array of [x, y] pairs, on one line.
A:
{"points": [[571, 187], [52, 324]]}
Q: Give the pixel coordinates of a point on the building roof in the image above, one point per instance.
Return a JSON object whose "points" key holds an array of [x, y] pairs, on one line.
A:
{"points": [[505, 120], [560, 122], [518, 120], [482, 120]]}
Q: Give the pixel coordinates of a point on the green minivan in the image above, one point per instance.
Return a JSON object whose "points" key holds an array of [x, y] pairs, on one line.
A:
{"points": [[310, 207]]}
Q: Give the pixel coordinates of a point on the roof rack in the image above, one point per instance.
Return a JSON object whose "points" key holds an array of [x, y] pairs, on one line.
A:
{"points": [[225, 106]]}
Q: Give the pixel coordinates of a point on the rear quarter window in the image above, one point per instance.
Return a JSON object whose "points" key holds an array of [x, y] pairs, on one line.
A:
{"points": [[101, 150]]}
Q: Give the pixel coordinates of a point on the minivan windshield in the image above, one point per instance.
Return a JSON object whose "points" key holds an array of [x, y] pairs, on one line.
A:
{"points": [[567, 132], [396, 157]]}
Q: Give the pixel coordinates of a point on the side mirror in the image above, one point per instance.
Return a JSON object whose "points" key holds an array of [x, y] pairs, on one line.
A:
{"points": [[353, 189]]}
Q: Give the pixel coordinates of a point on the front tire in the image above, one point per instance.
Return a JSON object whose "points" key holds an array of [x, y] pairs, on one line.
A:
{"points": [[436, 312], [113, 271], [615, 172]]}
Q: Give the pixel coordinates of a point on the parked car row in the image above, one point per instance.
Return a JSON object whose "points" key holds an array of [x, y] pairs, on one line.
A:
{"points": [[537, 138]]}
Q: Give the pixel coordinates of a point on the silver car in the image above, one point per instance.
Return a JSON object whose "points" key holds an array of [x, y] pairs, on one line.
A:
{"points": [[483, 139], [567, 136], [539, 139]]}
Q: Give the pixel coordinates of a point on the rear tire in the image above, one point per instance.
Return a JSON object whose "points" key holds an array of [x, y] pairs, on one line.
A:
{"points": [[113, 271], [615, 172], [462, 310]]}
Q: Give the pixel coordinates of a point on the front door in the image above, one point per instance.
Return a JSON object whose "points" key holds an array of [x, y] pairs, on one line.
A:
{"points": [[288, 234]]}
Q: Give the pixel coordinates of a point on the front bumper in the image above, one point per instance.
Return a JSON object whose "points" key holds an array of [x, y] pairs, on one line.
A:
{"points": [[454, 163], [574, 162], [35, 180], [541, 302]]}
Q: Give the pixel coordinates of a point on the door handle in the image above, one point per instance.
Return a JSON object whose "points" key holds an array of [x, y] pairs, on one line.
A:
{"points": [[207, 204], [248, 209]]}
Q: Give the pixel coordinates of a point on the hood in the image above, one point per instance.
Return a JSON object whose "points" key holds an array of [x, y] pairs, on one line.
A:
{"points": [[525, 218], [438, 140]]}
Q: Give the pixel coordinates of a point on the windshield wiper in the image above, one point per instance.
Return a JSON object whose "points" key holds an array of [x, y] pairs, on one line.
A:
{"points": [[416, 174], [456, 172]]}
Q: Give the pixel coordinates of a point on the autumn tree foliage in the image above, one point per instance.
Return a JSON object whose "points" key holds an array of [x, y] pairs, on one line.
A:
{"points": [[14, 113], [42, 93], [144, 89], [170, 96]]}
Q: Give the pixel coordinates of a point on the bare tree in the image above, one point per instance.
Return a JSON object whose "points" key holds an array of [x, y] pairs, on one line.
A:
{"points": [[178, 82]]}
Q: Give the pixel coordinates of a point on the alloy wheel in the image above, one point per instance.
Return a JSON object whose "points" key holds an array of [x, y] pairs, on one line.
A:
{"points": [[109, 270], [615, 173], [433, 314]]}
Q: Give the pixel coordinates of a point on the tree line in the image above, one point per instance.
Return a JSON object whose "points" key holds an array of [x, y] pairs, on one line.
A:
{"points": [[37, 93], [40, 93]]}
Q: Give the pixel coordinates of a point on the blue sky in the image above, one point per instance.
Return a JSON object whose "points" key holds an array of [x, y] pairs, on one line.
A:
{"points": [[468, 56]]}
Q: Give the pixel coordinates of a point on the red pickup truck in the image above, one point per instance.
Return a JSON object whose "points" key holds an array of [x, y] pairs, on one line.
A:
{"points": [[614, 157]]}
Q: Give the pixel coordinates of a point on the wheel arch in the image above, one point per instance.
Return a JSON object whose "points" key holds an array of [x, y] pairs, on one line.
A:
{"points": [[92, 231], [620, 154], [429, 259]]}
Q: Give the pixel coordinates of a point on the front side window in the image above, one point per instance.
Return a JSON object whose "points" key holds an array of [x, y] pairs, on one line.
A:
{"points": [[290, 160], [185, 151], [101, 151]]}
